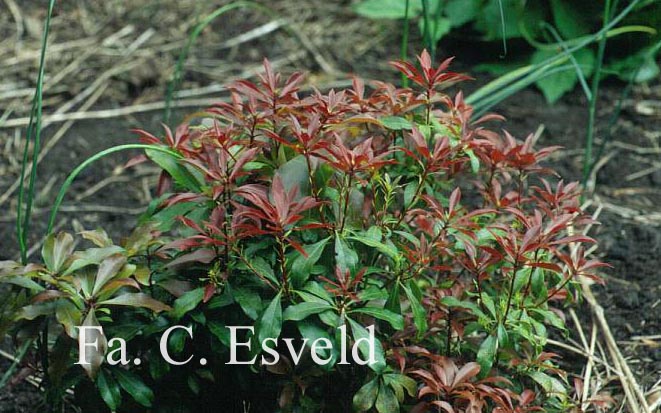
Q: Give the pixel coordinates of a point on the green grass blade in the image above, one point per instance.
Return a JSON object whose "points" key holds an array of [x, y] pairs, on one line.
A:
{"points": [[579, 71], [87, 162], [33, 133], [405, 41], [592, 109], [175, 82]]}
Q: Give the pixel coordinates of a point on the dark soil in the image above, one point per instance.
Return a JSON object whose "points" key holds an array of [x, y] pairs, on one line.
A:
{"points": [[629, 236]]}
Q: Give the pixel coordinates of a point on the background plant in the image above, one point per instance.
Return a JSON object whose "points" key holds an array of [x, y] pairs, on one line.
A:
{"points": [[535, 31], [301, 214]]}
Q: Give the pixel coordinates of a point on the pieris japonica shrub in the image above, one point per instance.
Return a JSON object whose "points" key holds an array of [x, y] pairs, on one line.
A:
{"points": [[290, 227]]}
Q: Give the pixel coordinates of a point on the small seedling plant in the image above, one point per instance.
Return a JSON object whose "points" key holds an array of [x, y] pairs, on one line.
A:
{"points": [[373, 210]]}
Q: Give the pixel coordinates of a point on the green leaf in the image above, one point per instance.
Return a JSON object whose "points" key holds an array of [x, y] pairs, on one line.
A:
{"points": [[386, 402], [303, 310], [460, 12], [490, 20], [94, 356], [388, 250], [164, 219], [22, 281], [394, 303], [312, 332], [409, 192], [264, 269], [555, 85], [270, 324], [69, 316], [294, 173], [360, 332], [438, 28], [56, 250], [569, 20], [395, 320], [107, 270], [549, 384], [395, 123], [315, 293], [32, 311], [302, 265], [486, 355], [419, 313], [181, 175], [248, 300], [91, 256], [143, 300], [345, 257], [364, 398], [474, 160], [220, 331], [134, 386], [109, 390], [405, 382], [187, 303], [388, 9], [98, 236]]}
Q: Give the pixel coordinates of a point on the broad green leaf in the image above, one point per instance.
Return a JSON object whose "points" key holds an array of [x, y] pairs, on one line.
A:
{"points": [[91, 256], [386, 401], [181, 175], [395, 320], [22, 281], [187, 303], [69, 316], [32, 311], [409, 193], [316, 290], [345, 257], [486, 355], [98, 236], [107, 270], [460, 12], [555, 85], [549, 384], [360, 332], [569, 20], [490, 20], [134, 386], [270, 324], [56, 250], [372, 292], [365, 397], [395, 123], [264, 269], [109, 390], [302, 265], [394, 303], [164, 218], [220, 331], [303, 310], [248, 300], [419, 313], [312, 332], [388, 250], [93, 356], [294, 174], [438, 28], [474, 160], [401, 381], [142, 300]]}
